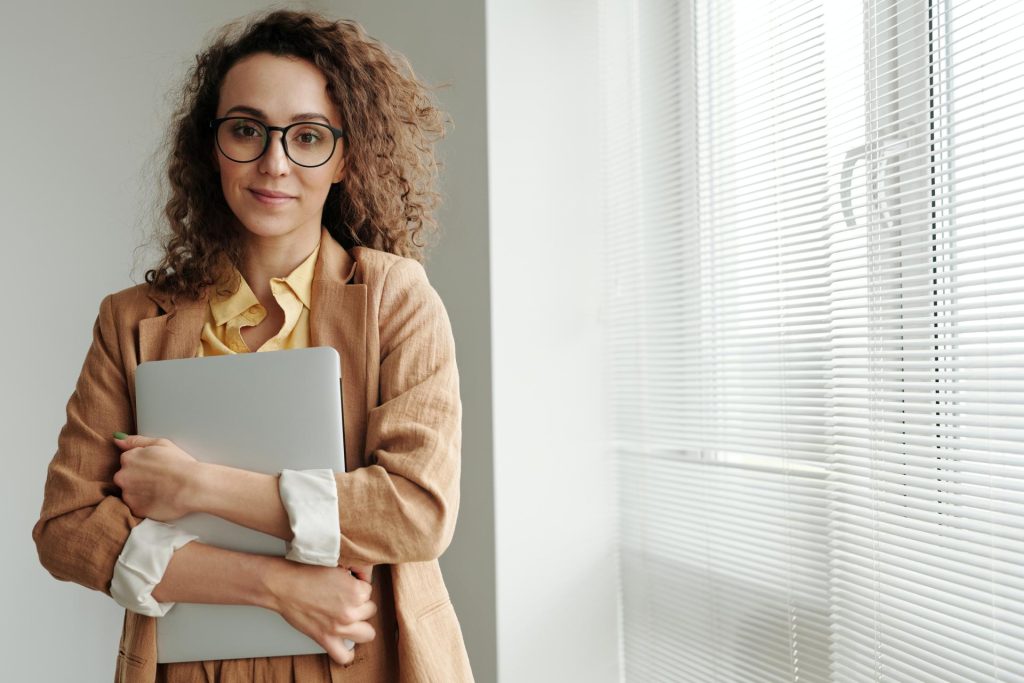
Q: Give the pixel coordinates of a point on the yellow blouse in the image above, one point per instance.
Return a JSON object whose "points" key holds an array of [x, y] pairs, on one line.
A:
{"points": [[376, 660], [227, 314]]}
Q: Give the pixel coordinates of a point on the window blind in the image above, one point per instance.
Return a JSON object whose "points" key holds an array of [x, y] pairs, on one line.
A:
{"points": [[815, 228]]}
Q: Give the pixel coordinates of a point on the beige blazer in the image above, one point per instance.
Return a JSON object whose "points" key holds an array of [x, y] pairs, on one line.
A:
{"points": [[402, 416]]}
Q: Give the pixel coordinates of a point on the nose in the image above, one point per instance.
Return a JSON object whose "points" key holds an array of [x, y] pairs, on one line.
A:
{"points": [[274, 161]]}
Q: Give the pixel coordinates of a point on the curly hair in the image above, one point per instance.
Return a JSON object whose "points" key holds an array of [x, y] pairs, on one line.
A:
{"points": [[389, 193]]}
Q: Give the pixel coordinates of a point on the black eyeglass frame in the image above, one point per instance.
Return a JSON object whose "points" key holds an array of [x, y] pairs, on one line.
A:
{"points": [[336, 132]]}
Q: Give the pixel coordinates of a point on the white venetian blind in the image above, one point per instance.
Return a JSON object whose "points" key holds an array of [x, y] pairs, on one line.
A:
{"points": [[815, 220]]}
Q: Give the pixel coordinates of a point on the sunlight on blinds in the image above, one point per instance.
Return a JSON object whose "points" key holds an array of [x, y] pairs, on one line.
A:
{"points": [[815, 220]]}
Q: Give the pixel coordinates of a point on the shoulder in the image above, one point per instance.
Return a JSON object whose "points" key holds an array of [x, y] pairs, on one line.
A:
{"points": [[129, 305], [399, 290], [389, 273], [373, 264]]}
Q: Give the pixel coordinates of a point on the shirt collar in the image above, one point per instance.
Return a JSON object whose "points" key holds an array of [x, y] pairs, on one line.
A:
{"points": [[300, 281]]}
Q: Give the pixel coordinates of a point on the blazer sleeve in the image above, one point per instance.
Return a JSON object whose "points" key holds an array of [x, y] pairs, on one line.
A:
{"points": [[84, 524], [402, 506]]}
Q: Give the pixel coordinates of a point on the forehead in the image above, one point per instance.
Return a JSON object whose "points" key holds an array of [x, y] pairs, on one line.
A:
{"points": [[280, 86]]}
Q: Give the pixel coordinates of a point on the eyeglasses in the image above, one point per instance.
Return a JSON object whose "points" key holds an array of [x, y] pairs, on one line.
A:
{"points": [[306, 143]]}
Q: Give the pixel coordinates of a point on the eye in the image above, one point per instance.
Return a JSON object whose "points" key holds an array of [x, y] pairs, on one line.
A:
{"points": [[308, 136], [246, 129]]}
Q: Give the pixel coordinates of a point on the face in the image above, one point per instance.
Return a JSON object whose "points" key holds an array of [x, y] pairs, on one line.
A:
{"points": [[272, 196]]}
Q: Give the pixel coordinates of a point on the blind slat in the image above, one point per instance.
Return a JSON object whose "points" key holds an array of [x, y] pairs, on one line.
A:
{"points": [[815, 337]]}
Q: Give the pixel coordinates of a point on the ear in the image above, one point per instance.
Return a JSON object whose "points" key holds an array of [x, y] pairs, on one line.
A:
{"points": [[339, 172]]}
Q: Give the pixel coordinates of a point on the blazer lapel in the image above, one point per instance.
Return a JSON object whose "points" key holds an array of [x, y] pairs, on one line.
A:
{"points": [[338, 318], [174, 334]]}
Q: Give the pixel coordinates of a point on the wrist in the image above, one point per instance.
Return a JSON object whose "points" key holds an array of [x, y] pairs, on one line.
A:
{"points": [[271, 583], [201, 488]]}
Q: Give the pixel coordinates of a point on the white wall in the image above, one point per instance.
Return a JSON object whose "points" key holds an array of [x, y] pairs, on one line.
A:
{"points": [[95, 75], [553, 488]]}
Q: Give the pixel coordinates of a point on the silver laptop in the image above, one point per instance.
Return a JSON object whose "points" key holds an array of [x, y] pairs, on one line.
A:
{"points": [[265, 412]]}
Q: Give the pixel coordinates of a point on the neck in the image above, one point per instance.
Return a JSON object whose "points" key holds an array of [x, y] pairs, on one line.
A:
{"points": [[268, 257]]}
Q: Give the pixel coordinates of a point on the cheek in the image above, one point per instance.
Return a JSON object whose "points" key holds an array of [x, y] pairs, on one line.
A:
{"points": [[231, 186], [226, 185], [232, 178], [319, 184]]}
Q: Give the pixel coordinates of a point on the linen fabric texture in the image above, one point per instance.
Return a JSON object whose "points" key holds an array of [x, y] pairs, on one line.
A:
{"points": [[402, 415]]}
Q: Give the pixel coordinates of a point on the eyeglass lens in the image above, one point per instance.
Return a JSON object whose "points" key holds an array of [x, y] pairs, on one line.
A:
{"points": [[307, 144]]}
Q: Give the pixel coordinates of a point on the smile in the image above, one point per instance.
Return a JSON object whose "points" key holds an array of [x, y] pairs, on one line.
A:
{"points": [[270, 199]]}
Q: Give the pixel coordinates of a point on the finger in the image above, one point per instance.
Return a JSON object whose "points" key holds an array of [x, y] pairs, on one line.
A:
{"points": [[360, 590], [134, 441], [128, 454], [338, 650], [365, 611], [363, 572], [359, 632]]}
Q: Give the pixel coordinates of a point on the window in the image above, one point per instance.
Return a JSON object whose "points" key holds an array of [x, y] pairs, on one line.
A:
{"points": [[815, 220]]}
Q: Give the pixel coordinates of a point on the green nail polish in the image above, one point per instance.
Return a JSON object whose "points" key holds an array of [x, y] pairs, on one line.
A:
{"points": [[120, 435]]}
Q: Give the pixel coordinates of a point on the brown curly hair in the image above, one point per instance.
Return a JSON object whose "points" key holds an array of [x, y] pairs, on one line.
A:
{"points": [[388, 195]]}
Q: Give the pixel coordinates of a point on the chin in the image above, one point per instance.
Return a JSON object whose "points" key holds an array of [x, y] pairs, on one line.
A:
{"points": [[263, 228], [271, 226]]}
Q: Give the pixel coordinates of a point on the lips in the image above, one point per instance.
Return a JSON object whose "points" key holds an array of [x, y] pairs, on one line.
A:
{"points": [[270, 193], [270, 196]]}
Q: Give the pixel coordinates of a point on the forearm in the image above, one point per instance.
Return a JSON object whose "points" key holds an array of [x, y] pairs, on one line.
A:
{"points": [[420, 524], [206, 574], [388, 518], [326, 603], [250, 499], [300, 507]]}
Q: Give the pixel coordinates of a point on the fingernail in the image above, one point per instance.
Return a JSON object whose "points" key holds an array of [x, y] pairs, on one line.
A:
{"points": [[120, 435]]}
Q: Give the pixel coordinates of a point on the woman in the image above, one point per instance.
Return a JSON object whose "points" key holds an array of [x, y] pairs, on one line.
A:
{"points": [[301, 180]]}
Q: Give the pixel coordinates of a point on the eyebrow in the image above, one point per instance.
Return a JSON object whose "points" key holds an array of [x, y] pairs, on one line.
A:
{"points": [[260, 114]]}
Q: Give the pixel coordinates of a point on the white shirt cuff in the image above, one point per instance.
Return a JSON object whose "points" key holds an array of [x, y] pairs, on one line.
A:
{"points": [[141, 566], [311, 499]]}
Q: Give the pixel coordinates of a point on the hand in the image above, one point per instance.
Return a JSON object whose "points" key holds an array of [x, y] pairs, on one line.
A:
{"points": [[328, 604], [157, 479], [363, 572]]}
